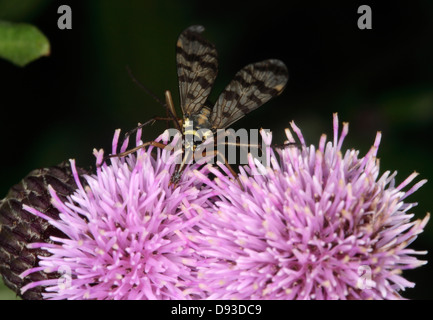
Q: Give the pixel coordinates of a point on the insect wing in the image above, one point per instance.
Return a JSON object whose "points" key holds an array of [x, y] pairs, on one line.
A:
{"points": [[252, 86], [197, 68]]}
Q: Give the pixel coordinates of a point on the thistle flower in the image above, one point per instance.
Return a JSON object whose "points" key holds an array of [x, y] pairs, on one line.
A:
{"points": [[314, 224], [124, 232]]}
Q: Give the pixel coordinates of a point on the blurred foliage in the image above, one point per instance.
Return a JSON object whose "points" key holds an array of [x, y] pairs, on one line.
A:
{"points": [[21, 43], [377, 80], [22, 10]]}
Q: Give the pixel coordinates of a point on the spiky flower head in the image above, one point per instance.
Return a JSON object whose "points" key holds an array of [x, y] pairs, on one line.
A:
{"points": [[124, 232], [312, 223], [317, 223]]}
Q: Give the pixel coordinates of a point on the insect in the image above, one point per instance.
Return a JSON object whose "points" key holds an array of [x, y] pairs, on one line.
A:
{"points": [[197, 68]]}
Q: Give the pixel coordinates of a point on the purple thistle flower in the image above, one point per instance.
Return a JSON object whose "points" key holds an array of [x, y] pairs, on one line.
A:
{"points": [[315, 224], [125, 232]]}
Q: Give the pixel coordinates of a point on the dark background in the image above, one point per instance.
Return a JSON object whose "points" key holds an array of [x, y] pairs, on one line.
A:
{"points": [[64, 105]]}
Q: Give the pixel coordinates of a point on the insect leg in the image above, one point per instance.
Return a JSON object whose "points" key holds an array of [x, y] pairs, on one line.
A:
{"points": [[245, 145], [172, 111], [284, 145], [216, 153], [170, 117], [150, 121], [150, 143], [238, 146]]}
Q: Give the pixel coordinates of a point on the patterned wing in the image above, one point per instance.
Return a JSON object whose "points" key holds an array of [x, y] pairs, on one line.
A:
{"points": [[251, 87], [197, 67]]}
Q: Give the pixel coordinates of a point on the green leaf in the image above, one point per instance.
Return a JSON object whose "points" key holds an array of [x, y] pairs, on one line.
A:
{"points": [[21, 43]]}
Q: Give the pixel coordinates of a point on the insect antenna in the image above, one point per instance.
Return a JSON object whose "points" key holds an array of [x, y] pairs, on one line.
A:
{"points": [[170, 113], [144, 88]]}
